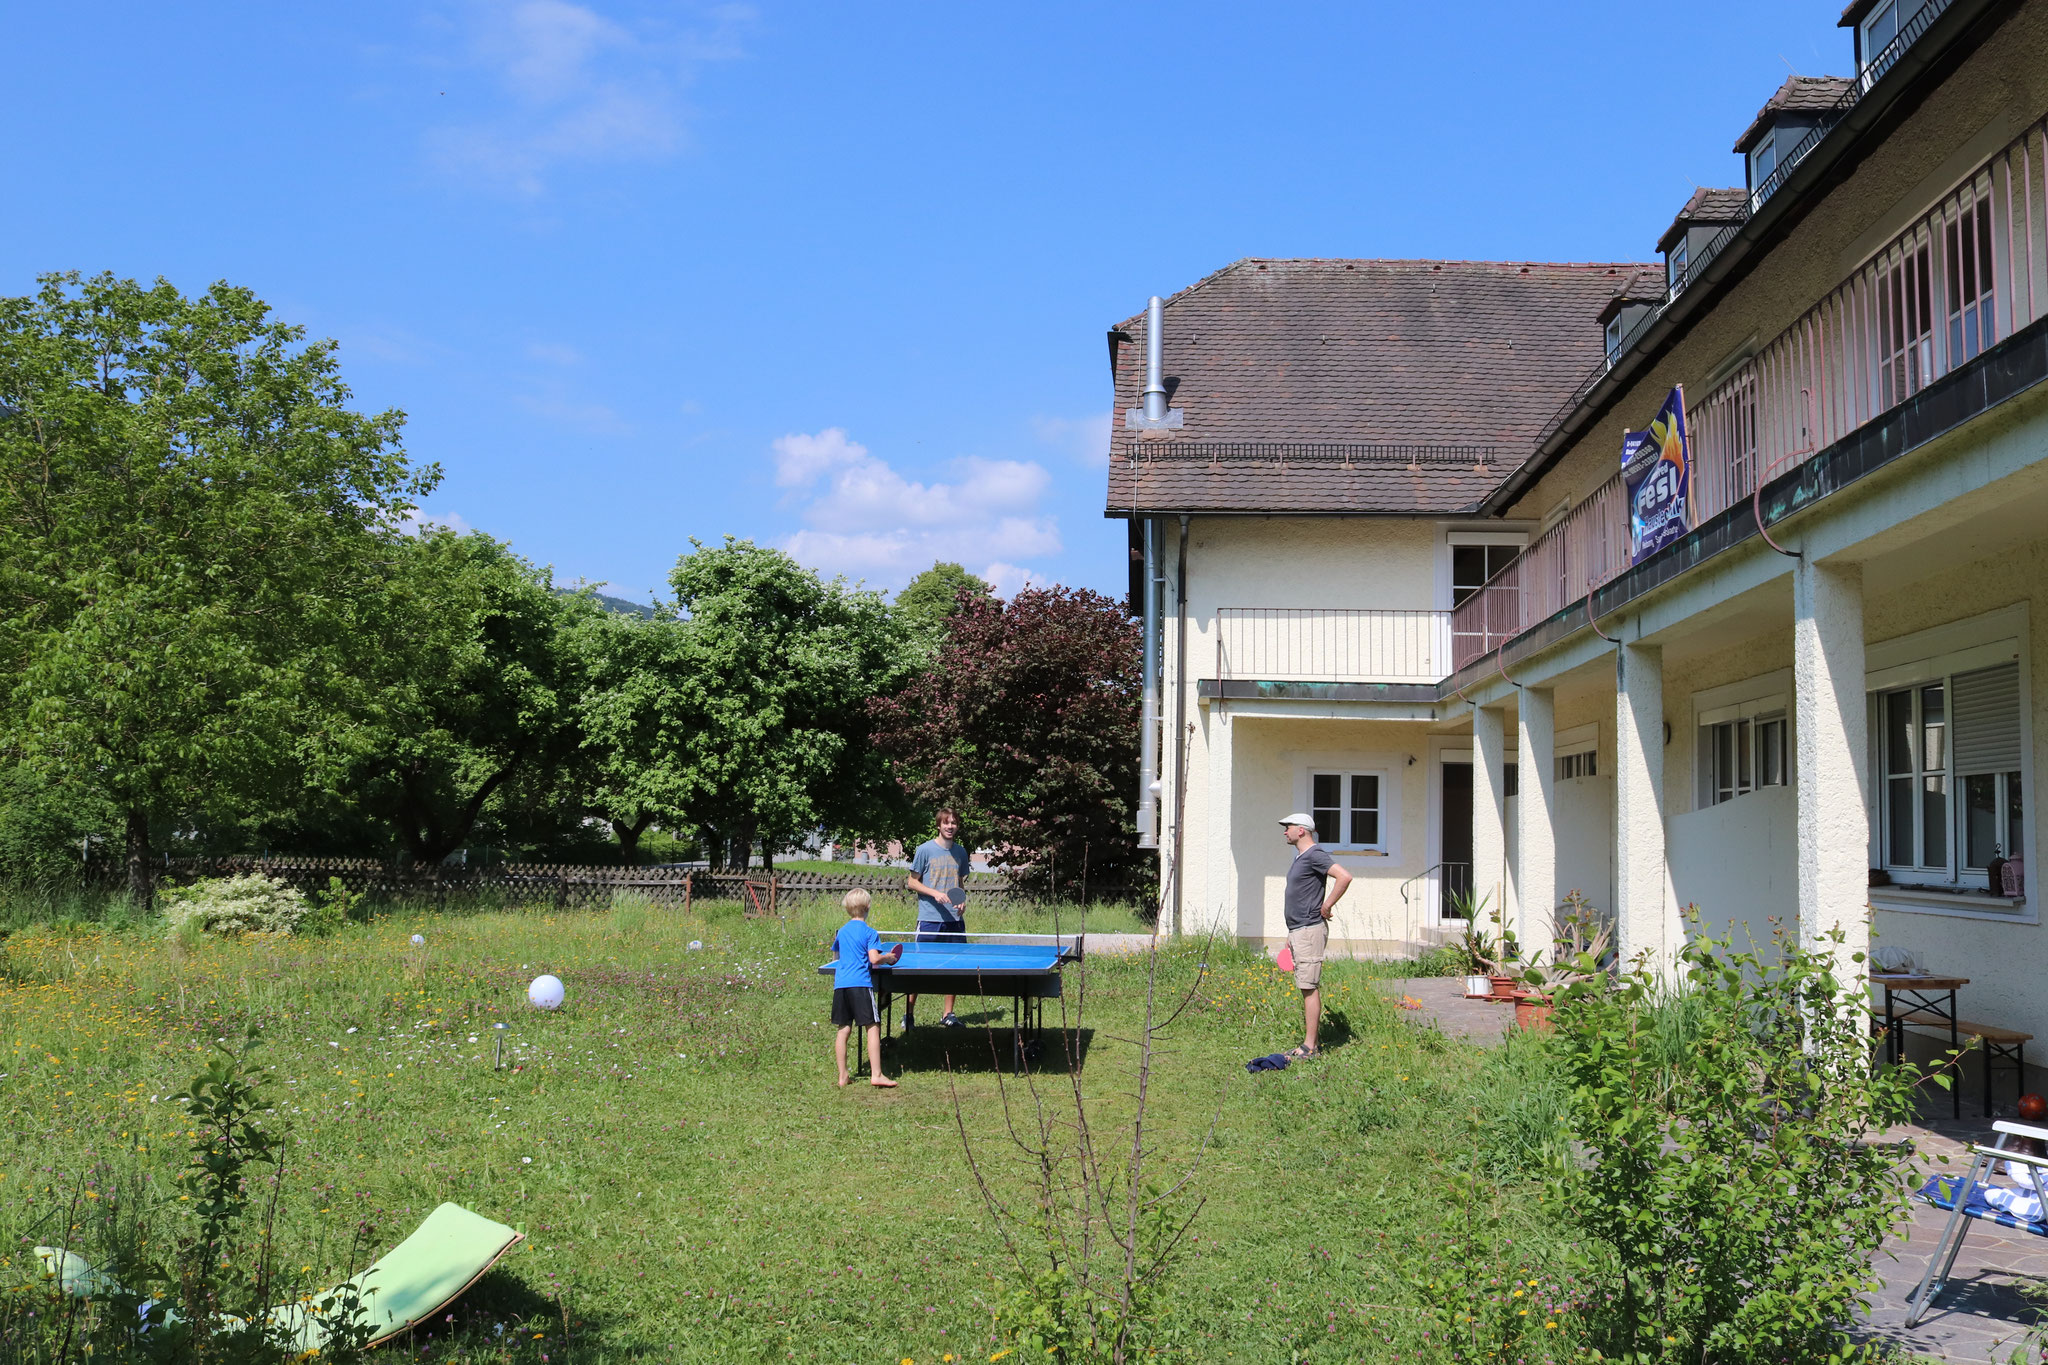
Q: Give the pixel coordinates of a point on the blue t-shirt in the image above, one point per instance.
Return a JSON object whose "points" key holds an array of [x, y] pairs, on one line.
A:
{"points": [[942, 869], [852, 942]]}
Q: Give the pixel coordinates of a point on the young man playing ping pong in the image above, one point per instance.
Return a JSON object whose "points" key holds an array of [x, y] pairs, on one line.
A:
{"points": [[859, 949], [938, 874], [1308, 909]]}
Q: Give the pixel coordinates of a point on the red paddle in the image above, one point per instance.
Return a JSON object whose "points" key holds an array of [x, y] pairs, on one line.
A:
{"points": [[1285, 962]]}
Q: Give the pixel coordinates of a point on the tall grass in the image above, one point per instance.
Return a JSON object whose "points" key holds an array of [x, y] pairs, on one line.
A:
{"points": [[692, 1184]]}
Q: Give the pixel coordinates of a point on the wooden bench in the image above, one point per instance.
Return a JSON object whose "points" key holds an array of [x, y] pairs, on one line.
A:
{"points": [[2002, 1047]]}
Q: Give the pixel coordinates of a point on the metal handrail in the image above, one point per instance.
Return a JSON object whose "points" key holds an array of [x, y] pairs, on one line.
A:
{"points": [[1424, 875]]}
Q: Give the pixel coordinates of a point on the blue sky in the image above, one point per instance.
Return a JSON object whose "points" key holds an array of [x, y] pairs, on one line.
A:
{"points": [[833, 277]]}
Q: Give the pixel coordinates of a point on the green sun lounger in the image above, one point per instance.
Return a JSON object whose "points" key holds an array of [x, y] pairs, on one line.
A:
{"points": [[418, 1278]]}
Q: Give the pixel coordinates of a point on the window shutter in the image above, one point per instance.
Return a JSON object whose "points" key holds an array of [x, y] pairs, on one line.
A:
{"points": [[1987, 720]]}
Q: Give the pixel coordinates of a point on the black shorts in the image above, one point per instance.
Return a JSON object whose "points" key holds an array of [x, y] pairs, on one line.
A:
{"points": [[942, 930], [854, 1005]]}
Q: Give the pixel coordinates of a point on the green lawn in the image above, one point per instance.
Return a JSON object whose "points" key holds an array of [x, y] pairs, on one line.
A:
{"points": [[690, 1180]]}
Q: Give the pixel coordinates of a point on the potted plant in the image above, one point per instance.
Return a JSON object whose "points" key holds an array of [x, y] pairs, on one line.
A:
{"points": [[1490, 958], [1580, 939]]}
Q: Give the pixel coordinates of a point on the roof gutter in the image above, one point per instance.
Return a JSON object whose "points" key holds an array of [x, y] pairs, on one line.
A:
{"points": [[1836, 153]]}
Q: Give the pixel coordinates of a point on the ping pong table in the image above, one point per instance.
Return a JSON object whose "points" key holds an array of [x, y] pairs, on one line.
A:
{"points": [[1028, 973]]}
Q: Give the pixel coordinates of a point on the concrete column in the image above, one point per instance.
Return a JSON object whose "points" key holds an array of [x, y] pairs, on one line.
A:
{"points": [[1830, 724], [1218, 903], [1646, 920], [1536, 818], [1489, 811]]}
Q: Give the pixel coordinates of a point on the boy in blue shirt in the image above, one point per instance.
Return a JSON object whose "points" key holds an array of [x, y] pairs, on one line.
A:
{"points": [[859, 949]]}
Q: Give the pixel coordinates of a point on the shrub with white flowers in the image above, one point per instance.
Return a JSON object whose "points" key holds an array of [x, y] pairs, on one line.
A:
{"points": [[249, 904]]}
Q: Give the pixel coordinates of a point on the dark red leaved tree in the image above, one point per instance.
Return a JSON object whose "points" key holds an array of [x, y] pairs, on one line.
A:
{"points": [[1027, 724]]}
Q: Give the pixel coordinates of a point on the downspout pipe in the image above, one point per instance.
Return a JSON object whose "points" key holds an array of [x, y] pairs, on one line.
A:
{"points": [[1180, 716], [1148, 734]]}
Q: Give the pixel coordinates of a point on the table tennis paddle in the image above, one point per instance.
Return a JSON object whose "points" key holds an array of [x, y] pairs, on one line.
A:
{"points": [[1285, 961], [957, 895]]}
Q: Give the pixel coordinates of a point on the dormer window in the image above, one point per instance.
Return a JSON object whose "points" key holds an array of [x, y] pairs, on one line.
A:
{"points": [[1882, 25], [1674, 263], [1613, 337], [1763, 159]]}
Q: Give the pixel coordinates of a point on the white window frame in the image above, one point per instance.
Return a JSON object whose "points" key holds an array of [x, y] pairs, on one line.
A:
{"points": [[1388, 809], [1454, 539], [1938, 655], [1758, 172], [1577, 748], [1752, 703], [1674, 260]]}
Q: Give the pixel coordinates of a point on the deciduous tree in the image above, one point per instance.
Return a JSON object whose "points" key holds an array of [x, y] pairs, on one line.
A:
{"points": [[1027, 724], [186, 503]]}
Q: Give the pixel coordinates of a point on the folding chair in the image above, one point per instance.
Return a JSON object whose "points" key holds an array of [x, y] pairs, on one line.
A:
{"points": [[1964, 1198]]}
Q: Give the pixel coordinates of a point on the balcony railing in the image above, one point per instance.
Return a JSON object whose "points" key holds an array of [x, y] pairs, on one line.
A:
{"points": [[1313, 644], [1971, 270]]}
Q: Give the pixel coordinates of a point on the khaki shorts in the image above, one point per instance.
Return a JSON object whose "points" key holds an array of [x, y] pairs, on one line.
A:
{"points": [[1308, 946]]}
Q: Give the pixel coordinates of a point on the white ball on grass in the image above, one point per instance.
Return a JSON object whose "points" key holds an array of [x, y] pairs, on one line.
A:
{"points": [[545, 992], [419, 940], [695, 944]]}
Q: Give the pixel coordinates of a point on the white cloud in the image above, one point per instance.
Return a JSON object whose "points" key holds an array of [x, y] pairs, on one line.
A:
{"points": [[420, 519], [866, 519], [800, 459], [1009, 579], [1084, 438], [578, 87]]}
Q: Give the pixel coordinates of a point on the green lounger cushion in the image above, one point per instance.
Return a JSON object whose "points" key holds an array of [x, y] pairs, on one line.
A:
{"points": [[418, 1278]]}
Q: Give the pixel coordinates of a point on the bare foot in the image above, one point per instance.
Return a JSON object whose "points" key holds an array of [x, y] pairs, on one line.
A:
{"points": [[883, 1082], [845, 1079]]}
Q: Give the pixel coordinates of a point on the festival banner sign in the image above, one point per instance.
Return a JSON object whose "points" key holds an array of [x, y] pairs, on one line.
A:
{"points": [[1657, 467]]}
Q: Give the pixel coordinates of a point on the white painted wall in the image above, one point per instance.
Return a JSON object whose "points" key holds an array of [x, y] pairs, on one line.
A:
{"points": [[1738, 862]]}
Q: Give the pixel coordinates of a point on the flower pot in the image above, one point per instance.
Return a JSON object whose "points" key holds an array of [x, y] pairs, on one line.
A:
{"points": [[1533, 1012], [1478, 987], [1503, 987]]}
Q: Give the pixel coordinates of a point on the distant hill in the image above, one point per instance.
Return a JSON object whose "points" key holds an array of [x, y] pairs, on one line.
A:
{"points": [[617, 604]]}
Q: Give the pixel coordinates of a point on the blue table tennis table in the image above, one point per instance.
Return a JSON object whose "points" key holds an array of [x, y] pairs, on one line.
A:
{"points": [[1028, 973]]}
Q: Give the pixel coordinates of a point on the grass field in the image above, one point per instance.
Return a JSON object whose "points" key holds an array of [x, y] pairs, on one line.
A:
{"points": [[692, 1184]]}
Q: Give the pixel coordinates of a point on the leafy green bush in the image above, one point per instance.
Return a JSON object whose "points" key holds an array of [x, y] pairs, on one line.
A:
{"points": [[329, 910], [249, 904], [189, 1277], [1727, 1187]]}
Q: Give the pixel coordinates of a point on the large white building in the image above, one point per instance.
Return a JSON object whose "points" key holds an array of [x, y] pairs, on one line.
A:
{"points": [[1387, 523]]}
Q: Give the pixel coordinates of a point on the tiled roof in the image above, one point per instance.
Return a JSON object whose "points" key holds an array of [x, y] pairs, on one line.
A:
{"points": [[1798, 95], [1706, 206], [1645, 286], [1341, 386], [1854, 14]]}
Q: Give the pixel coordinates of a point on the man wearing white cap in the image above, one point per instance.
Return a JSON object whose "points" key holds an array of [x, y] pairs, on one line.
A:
{"points": [[1308, 906]]}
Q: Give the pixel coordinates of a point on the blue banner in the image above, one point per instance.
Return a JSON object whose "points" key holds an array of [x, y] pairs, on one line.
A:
{"points": [[1657, 466]]}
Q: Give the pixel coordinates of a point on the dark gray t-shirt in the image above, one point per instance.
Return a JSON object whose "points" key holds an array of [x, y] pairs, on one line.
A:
{"points": [[1305, 887]]}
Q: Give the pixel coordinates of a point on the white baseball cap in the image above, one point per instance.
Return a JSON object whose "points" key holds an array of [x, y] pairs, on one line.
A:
{"points": [[1300, 817]]}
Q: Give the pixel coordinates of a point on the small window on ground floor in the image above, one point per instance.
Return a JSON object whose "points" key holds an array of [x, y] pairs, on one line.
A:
{"points": [[1581, 764], [1347, 810], [1745, 754]]}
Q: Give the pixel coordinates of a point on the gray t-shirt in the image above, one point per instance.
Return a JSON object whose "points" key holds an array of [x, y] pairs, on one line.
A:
{"points": [[942, 869], [1305, 887]]}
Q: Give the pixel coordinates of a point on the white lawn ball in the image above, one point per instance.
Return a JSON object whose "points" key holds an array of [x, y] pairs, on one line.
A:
{"points": [[545, 992], [695, 944], [419, 940]]}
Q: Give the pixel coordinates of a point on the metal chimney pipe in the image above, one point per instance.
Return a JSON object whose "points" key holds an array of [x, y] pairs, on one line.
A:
{"points": [[1155, 360]]}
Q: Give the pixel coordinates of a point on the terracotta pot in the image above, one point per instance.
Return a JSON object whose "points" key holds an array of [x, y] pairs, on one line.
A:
{"points": [[1533, 1013], [1503, 988]]}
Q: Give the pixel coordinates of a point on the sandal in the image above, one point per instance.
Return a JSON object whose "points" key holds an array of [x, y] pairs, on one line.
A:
{"points": [[1302, 1054]]}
